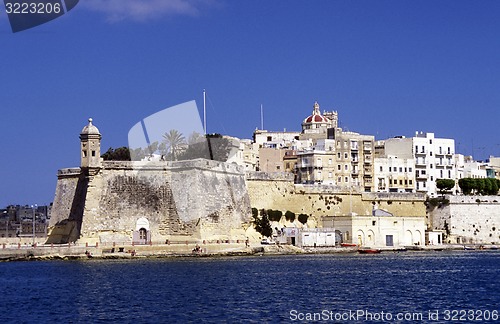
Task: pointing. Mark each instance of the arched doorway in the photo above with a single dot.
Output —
(338, 237)
(408, 238)
(142, 234)
(370, 238)
(417, 239)
(361, 238)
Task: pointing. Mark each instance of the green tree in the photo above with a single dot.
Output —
(173, 140)
(445, 185)
(262, 224)
(466, 185)
(479, 186)
(119, 154)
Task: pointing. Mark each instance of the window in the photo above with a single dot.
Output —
(416, 148)
(430, 141)
(410, 182)
(339, 167)
(431, 153)
(345, 155)
(346, 179)
(329, 161)
(278, 167)
(389, 240)
(93, 153)
(390, 181)
(381, 169)
(410, 169)
(338, 155)
(432, 178)
(389, 169)
(449, 174)
(84, 153)
(346, 167)
(329, 175)
(441, 173)
(400, 169)
(374, 222)
(269, 138)
(423, 149)
(339, 180)
(400, 182)
(406, 170)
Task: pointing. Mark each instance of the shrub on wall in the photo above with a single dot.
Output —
(274, 215)
(289, 216)
(303, 218)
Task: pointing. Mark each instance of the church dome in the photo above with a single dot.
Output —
(90, 129)
(316, 116)
(316, 119)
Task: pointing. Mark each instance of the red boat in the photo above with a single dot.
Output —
(369, 251)
(348, 244)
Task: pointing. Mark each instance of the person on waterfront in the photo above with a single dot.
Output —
(247, 242)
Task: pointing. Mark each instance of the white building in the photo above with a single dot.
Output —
(393, 174)
(434, 158)
(379, 231)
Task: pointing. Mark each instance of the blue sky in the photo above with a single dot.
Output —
(389, 67)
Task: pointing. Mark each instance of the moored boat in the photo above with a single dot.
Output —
(369, 251)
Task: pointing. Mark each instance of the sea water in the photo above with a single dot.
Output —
(388, 287)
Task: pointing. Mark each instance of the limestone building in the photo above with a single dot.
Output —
(434, 158)
(147, 201)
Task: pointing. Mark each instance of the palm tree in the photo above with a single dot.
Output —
(173, 140)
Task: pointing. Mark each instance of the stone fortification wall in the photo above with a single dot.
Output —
(469, 219)
(68, 205)
(198, 199)
(319, 201)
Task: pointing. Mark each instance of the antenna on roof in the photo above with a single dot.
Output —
(261, 117)
(204, 112)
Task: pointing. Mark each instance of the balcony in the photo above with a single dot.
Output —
(420, 163)
(421, 176)
(421, 152)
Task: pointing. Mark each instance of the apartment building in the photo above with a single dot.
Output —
(434, 158)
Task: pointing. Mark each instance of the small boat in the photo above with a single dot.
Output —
(348, 244)
(469, 248)
(369, 251)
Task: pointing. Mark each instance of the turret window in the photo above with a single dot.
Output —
(93, 153)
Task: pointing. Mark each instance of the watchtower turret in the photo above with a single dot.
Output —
(90, 147)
